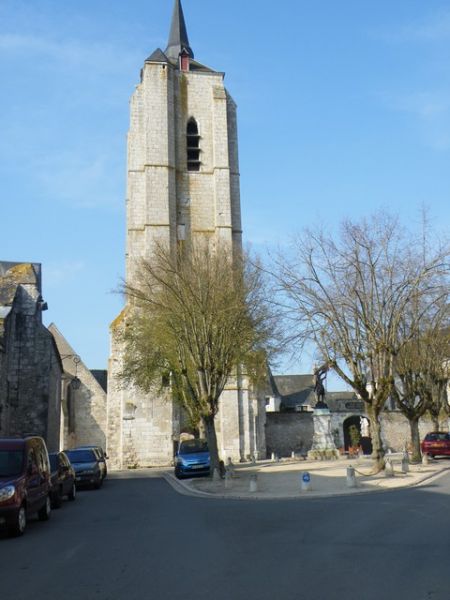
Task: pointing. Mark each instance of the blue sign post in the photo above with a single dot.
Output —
(305, 481)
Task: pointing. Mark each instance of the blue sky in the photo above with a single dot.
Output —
(344, 107)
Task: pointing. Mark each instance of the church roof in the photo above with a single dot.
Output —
(178, 37)
(157, 56)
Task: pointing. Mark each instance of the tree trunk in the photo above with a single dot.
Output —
(415, 440)
(435, 421)
(375, 434)
(211, 437)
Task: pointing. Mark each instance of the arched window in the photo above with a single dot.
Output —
(193, 146)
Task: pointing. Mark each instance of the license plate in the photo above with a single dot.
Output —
(197, 467)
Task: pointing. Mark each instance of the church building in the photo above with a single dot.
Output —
(183, 185)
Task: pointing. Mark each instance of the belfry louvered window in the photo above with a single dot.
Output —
(193, 146)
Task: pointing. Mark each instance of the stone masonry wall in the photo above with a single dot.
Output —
(288, 432)
(31, 368)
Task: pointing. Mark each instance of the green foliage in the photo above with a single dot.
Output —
(197, 317)
(355, 436)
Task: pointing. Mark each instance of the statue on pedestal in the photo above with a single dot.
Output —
(320, 375)
(323, 446)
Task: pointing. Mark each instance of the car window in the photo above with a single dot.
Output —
(42, 459)
(11, 462)
(193, 446)
(437, 437)
(81, 456)
(31, 461)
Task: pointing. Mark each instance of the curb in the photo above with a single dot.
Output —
(187, 490)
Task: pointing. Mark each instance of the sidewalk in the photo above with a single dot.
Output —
(277, 480)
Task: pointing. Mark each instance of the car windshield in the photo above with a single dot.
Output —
(81, 456)
(11, 462)
(193, 446)
(437, 437)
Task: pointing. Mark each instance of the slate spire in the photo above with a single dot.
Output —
(178, 38)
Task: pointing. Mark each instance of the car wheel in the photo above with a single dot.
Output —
(46, 510)
(98, 484)
(178, 473)
(17, 528)
(73, 492)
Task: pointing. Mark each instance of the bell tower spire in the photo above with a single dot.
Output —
(178, 37)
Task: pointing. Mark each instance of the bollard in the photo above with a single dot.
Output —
(228, 480)
(273, 456)
(254, 483)
(230, 468)
(305, 482)
(293, 455)
(405, 463)
(425, 460)
(351, 477)
(389, 469)
(216, 475)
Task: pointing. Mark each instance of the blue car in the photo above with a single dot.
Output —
(192, 459)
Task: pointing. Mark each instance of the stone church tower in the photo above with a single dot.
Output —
(183, 182)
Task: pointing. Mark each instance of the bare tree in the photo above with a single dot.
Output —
(421, 378)
(196, 317)
(437, 379)
(347, 296)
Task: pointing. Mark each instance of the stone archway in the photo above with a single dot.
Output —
(348, 423)
(363, 427)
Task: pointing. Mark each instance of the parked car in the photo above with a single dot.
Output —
(86, 463)
(62, 479)
(102, 457)
(192, 459)
(24, 482)
(436, 443)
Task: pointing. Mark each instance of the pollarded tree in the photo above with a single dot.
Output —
(347, 296)
(197, 317)
(421, 379)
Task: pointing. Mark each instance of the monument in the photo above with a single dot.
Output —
(323, 446)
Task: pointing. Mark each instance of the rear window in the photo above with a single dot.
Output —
(437, 437)
(81, 456)
(193, 446)
(11, 463)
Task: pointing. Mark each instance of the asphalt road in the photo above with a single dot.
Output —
(138, 539)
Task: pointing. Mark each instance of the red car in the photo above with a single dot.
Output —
(24, 482)
(436, 443)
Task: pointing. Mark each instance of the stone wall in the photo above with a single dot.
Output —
(289, 432)
(395, 429)
(30, 394)
(83, 408)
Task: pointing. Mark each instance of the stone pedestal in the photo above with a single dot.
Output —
(323, 446)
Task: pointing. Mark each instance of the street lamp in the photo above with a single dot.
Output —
(75, 384)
